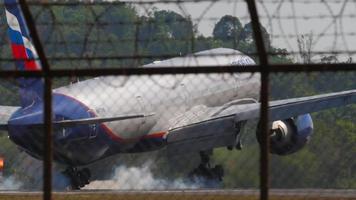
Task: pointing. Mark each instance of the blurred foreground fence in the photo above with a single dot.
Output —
(301, 48)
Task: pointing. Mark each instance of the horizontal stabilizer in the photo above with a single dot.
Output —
(5, 114)
(85, 121)
(96, 120)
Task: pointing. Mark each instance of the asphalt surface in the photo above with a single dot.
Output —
(349, 193)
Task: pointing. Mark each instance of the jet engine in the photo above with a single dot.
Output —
(290, 135)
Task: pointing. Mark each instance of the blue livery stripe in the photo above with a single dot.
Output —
(29, 54)
(13, 7)
(15, 37)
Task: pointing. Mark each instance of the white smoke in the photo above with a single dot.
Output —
(9, 183)
(139, 178)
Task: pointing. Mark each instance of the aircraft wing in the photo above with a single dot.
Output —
(218, 127)
(95, 120)
(6, 111)
(5, 114)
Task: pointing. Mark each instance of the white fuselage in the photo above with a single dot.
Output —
(166, 101)
(165, 96)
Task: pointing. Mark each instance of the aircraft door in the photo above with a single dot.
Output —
(236, 82)
(145, 107)
(184, 93)
(93, 128)
(142, 110)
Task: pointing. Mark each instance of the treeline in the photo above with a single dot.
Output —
(120, 32)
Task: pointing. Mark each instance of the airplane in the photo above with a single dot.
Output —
(105, 116)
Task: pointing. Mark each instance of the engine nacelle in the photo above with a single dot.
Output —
(290, 135)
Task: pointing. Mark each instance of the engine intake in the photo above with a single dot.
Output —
(290, 135)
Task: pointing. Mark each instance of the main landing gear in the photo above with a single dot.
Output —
(212, 176)
(78, 178)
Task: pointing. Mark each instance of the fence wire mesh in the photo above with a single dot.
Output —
(165, 96)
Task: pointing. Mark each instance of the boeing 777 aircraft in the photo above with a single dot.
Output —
(104, 116)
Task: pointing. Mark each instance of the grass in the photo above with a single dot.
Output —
(156, 196)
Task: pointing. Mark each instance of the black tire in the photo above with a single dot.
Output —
(218, 171)
(75, 182)
(86, 175)
(83, 179)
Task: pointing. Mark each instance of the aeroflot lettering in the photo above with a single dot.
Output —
(243, 61)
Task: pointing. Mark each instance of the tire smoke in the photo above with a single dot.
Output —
(140, 178)
(10, 183)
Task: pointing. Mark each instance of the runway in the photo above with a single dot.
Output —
(248, 194)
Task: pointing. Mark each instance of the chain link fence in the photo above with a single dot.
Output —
(173, 99)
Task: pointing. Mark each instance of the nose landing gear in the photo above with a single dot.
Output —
(78, 178)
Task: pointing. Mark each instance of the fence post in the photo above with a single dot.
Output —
(264, 68)
(47, 146)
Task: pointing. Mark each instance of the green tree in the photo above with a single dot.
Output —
(166, 32)
(247, 36)
(228, 28)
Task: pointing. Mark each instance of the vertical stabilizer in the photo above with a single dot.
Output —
(24, 53)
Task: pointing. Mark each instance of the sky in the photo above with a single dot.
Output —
(332, 22)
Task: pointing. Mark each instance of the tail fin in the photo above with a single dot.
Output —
(24, 53)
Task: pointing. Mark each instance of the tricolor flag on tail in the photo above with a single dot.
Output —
(23, 52)
(22, 48)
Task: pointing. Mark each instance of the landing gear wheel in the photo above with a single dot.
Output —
(211, 176)
(218, 172)
(84, 176)
(78, 178)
